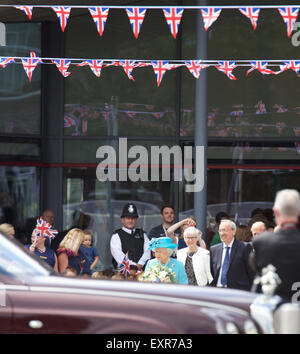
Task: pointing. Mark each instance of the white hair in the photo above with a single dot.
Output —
(287, 202)
(231, 223)
(191, 231)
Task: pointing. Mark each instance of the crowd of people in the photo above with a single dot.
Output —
(229, 257)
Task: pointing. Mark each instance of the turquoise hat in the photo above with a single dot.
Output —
(161, 242)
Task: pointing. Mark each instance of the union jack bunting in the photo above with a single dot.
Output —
(136, 18)
(237, 113)
(261, 108)
(6, 61)
(252, 13)
(195, 67)
(68, 121)
(124, 267)
(63, 13)
(289, 15)
(261, 66)
(63, 66)
(209, 16)
(227, 67)
(99, 15)
(29, 64)
(173, 17)
(291, 64)
(26, 9)
(44, 229)
(159, 67)
(128, 66)
(95, 66)
(279, 108)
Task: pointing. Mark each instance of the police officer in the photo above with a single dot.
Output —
(130, 239)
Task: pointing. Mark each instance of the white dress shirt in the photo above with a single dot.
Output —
(223, 256)
(118, 254)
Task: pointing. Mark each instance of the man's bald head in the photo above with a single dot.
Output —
(257, 228)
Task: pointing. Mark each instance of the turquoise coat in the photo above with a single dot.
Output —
(176, 266)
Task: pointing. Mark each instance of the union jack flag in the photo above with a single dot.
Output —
(29, 64)
(160, 67)
(99, 15)
(261, 108)
(291, 64)
(6, 61)
(107, 111)
(237, 113)
(44, 229)
(173, 17)
(124, 267)
(136, 18)
(280, 109)
(227, 67)
(261, 66)
(195, 67)
(68, 121)
(209, 16)
(128, 66)
(252, 13)
(62, 65)
(289, 15)
(95, 65)
(63, 13)
(26, 9)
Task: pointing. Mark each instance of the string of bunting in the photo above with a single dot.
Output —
(172, 14)
(160, 67)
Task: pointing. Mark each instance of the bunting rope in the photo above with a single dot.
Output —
(160, 67)
(173, 14)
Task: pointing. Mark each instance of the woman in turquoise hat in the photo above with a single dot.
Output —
(163, 248)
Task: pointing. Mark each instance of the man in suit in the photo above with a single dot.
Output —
(229, 260)
(282, 248)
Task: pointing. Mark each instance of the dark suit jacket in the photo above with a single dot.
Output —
(282, 250)
(239, 274)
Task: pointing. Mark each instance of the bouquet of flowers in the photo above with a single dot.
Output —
(158, 273)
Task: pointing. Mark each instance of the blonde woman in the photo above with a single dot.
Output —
(8, 229)
(69, 254)
(195, 259)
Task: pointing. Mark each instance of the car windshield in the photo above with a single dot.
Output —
(16, 262)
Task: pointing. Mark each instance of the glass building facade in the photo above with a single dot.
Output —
(52, 127)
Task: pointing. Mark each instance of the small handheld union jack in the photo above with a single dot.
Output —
(136, 18)
(173, 17)
(124, 267)
(44, 229)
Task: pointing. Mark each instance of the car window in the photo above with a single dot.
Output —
(15, 262)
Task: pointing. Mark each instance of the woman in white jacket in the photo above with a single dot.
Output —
(195, 259)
